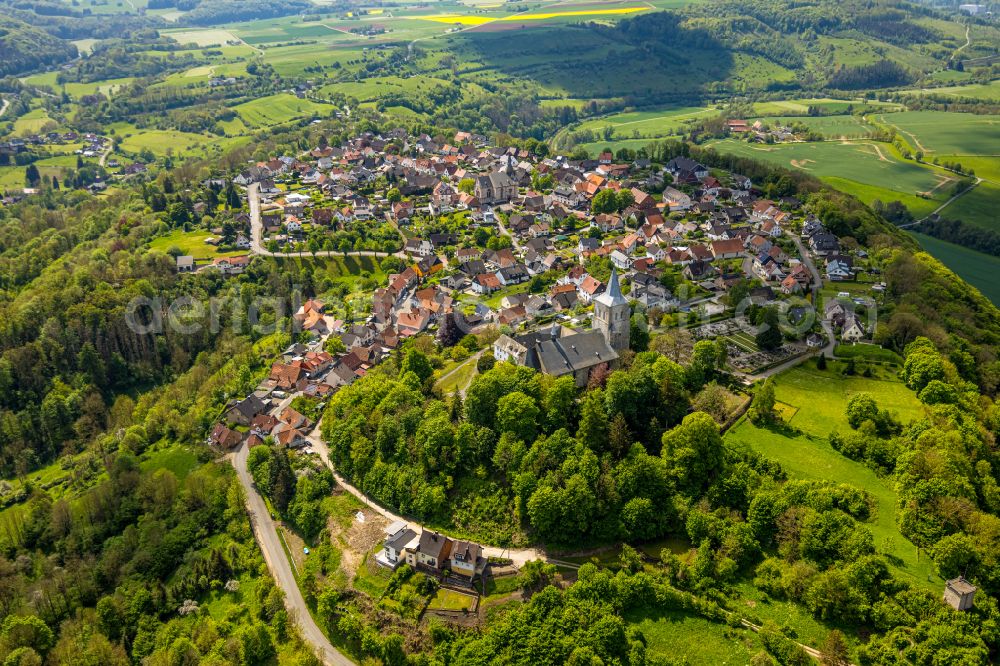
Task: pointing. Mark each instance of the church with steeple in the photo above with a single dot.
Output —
(558, 351)
(613, 315)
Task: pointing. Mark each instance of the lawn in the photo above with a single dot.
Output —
(977, 268)
(820, 399)
(690, 639)
(866, 352)
(451, 600)
(460, 377)
(191, 243)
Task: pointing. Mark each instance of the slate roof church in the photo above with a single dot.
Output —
(579, 354)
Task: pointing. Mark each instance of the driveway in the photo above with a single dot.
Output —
(270, 545)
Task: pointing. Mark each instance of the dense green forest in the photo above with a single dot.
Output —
(24, 47)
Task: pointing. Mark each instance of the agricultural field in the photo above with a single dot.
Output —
(202, 38)
(278, 109)
(800, 107)
(978, 206)
(646, 124)
(865, 169)
(834, 127)
(943, 133)
(813, 402)
(977, 268)
(989, 92)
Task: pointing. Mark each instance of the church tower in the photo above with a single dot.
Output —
(612, 315)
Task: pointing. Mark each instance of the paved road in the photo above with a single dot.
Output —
(277, 562)
(517, 555)
(831, 339)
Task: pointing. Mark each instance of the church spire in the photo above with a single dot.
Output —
(612, 296)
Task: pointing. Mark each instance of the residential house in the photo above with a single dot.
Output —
(432, 551)
(467, 559)
(243, 412)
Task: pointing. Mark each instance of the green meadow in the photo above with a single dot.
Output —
(813, 402)
(984, 91)
(689, 639)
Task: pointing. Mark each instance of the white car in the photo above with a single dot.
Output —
(279, 394)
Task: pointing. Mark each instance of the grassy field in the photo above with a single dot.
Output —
(818, 399)
(191, 243)
(977, 268)
(33, 122)
(800, 107)
(689, 639)
(180, 460)
(866, 352)
(647, 124)
(461, 375)
(866, 169)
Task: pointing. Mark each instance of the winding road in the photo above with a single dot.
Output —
(270, 545)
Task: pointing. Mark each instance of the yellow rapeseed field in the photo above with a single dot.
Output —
(538, 16)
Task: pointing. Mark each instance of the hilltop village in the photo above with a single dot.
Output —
(558, 265)
(530, 246)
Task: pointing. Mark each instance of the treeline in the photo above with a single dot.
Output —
(65, 21)
(879, 74)
(230, 11)
(963, 233)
